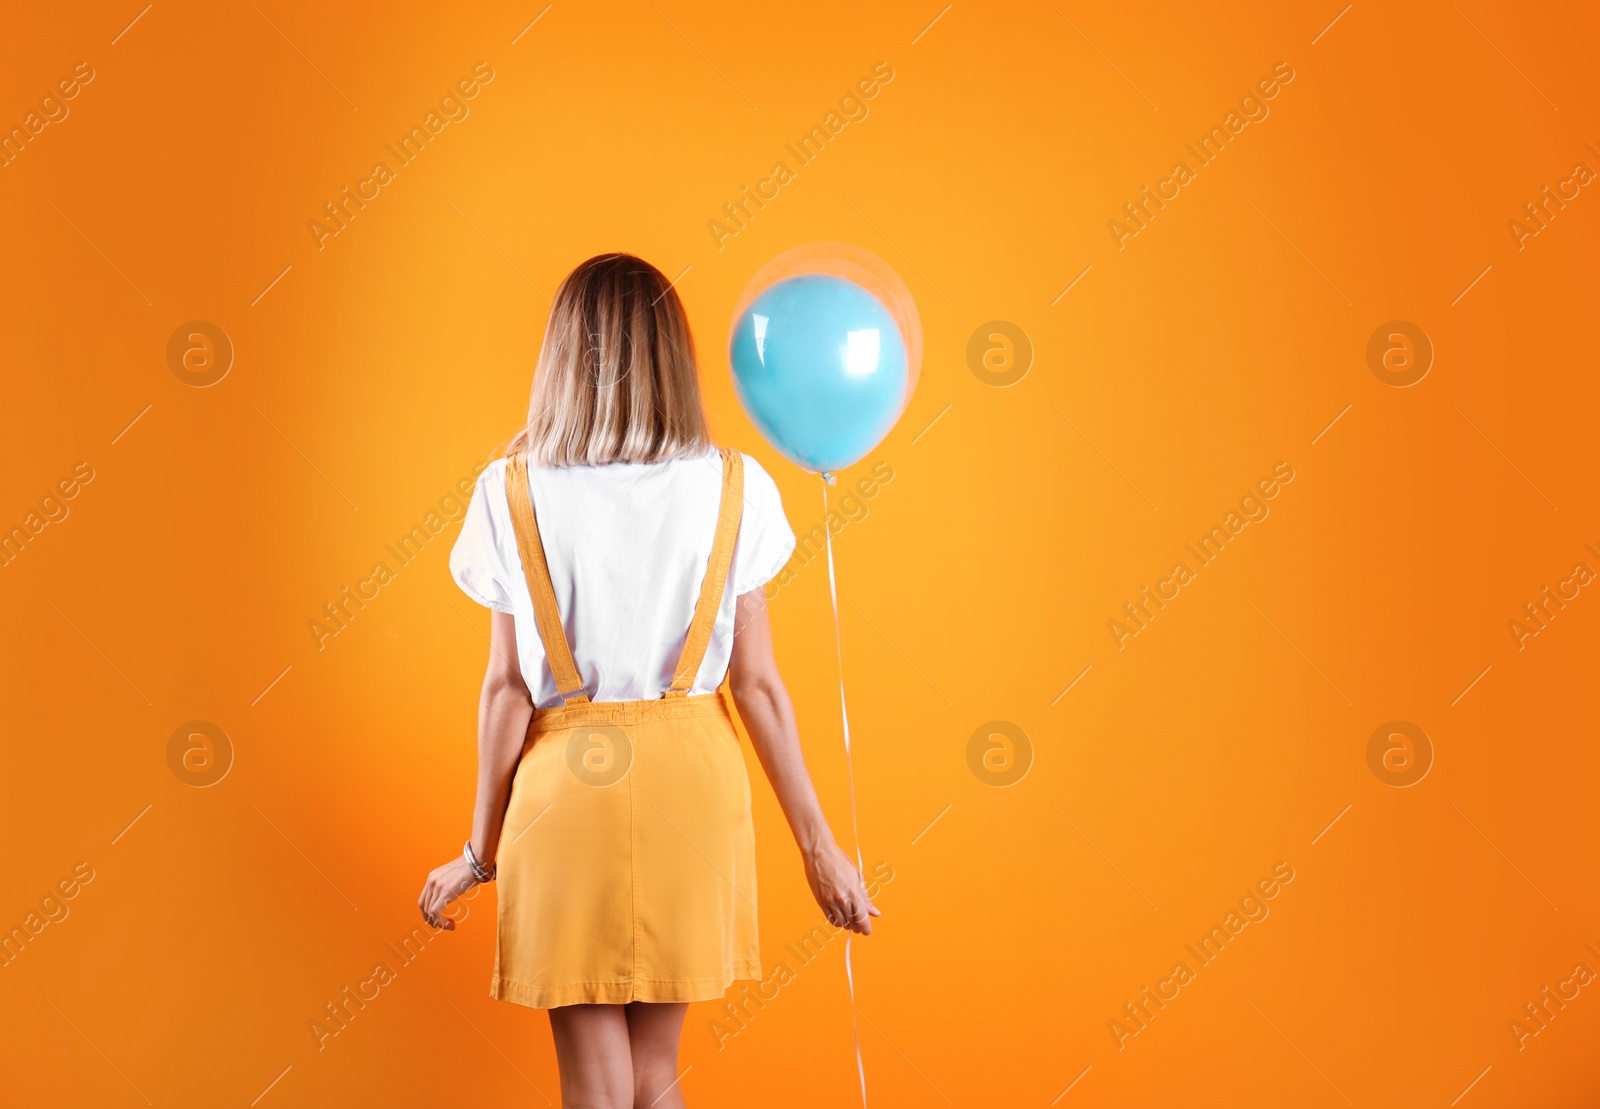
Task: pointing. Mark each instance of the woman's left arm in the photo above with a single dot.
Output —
(504, 712)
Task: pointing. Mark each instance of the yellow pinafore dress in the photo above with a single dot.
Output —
(627, 861)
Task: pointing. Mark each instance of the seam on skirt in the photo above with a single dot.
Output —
(633, 860)
(622, 991)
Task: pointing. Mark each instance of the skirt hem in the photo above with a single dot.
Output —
(621, 992)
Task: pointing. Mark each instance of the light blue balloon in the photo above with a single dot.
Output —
(820, 366)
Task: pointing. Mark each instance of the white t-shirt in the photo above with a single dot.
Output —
(627, 546)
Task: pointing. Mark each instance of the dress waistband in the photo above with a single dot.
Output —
(623, 713)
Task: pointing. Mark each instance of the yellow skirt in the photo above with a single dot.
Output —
(627, 863)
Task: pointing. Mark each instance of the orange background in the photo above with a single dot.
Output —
(1176, 772)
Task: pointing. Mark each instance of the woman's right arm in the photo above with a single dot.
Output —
(768, 715)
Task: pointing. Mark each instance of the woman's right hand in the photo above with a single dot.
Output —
(768, 716)
(839, 890)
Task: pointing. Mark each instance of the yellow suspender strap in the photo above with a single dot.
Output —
(537, 571)
(716, 579)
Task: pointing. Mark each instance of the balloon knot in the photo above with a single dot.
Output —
(830, 478)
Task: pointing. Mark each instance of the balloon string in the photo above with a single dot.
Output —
(850, 773)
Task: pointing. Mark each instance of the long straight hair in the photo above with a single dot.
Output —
(616, 379)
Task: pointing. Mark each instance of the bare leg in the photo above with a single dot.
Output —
(592, 1051)
(653, 1034)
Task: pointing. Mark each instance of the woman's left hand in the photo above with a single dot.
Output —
(444, 885)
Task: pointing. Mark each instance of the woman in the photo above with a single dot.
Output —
(624, 559)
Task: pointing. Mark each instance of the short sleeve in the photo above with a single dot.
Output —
(765, 539)
(478, 561)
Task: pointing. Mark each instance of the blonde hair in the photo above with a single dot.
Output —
(616, 379)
